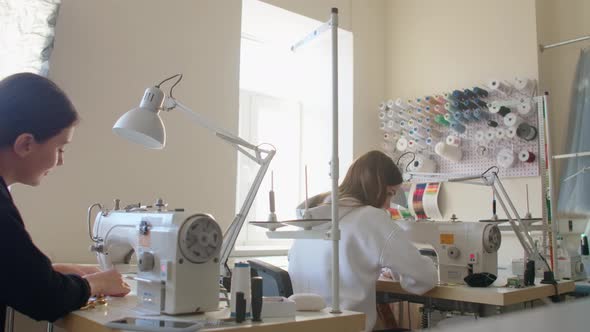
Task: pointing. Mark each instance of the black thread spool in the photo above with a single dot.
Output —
(492, 124)
(459, 95)
(526, 132)
(480, 92)
(480, 103)
(256, 298)
(240, 307)
(504, 111)
(470, 94)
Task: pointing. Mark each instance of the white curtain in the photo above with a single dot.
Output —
(26, 35)
(574, 195)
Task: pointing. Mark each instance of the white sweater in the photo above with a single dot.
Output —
(370, 241)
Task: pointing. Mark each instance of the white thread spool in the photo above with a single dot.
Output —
(390, 104)
(382, 106)
(401, 104)
(449, 152)
(500, 133)
(524, 85)
(240, 282)
(524, 108)
(500, 87)
(526, 156)
(511, 132)
(505, 158)
(390, 114)
(391, 124)
(453, 140)
(402, 144)
(382, 125)
(480, 136)
(512, 120)
(382, 115)
(494, 108)
(491, 135)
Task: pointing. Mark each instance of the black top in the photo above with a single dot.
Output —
(28, 282)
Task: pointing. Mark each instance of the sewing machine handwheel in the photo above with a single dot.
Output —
(492, 238)
(200, 238)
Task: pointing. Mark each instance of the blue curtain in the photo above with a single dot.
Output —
(26, 35)
(574, 195)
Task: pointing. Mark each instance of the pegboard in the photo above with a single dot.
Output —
(415, 125)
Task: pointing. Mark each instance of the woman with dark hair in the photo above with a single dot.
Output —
(37, 120)
(369, 241)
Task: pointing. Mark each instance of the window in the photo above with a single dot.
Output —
(285, 100)
(26, 35)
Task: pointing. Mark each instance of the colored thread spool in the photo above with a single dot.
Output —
(440, 119)
(459, 95)
(433, 132)
(461, 106)
(480, 92)
(453, 140)
(468, 104)
(481, 115)
(469, 93)
(503, 111)
(480, 103)
(440, 99)
(505, 158)
(449, 97)
(387, 136)
(458, 116)
(526, 132)
(468, 115)
(449, 118)
(449, 107)
(492, 124)
(499, 87)
(403, 123)
(401, 144)
(429, 141)
(458, 127)
(526, 156)
(439, 109)
(512, 120)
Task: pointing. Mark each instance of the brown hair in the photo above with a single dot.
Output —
(368, 177)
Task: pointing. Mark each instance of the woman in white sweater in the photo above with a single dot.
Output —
(370, 241)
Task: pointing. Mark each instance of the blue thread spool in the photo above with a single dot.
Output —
(480, 103)
(468, 115)
(458, 127)
(470, 105)
(458, 116)
(449, 107)
(459, 95)
(481, 114)
(470, 94)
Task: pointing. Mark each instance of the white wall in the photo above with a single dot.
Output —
(106, 53)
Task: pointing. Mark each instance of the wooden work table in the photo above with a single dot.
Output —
(499, 296)
(93, 320)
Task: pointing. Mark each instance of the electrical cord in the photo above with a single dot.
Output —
(174, 85)
(404, 154)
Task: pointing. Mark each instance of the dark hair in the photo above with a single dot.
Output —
(368, 177)
(33, 104)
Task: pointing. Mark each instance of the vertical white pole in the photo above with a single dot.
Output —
(335, 233)
(552, 198)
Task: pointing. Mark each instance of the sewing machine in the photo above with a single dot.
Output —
(177, 256)
(461, 247)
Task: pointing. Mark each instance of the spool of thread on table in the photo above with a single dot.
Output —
(492, 124)
(526, 156)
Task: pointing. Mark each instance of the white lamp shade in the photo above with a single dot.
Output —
(142, 126)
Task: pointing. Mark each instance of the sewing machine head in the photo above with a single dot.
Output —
(177, 256)
(461, 248)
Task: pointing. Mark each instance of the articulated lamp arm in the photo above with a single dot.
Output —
(260, 156)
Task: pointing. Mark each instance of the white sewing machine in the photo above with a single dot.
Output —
(177, 256)
(461, 247)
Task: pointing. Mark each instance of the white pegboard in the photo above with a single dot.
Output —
(472, 162)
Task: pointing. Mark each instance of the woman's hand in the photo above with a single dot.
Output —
(108, 282)
(80, 270)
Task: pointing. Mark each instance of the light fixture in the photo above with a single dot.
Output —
(143, 125)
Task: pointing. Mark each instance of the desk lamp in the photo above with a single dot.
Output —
(143, 125)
